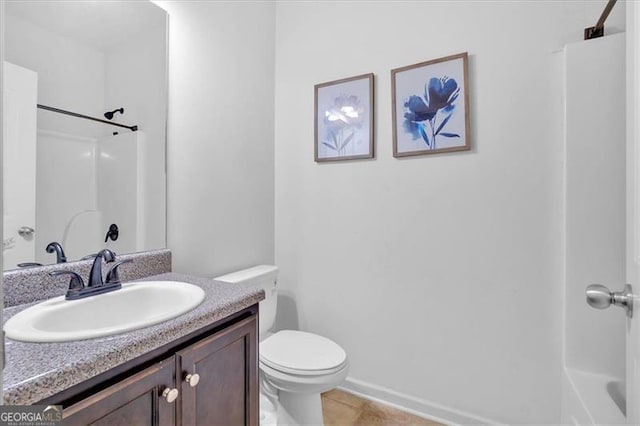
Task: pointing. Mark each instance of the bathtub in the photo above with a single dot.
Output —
(592, 399)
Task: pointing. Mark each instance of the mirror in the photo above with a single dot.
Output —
(85, 105)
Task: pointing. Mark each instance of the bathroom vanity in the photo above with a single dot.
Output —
(210, 379)
(198, 368)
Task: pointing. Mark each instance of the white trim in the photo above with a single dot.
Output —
(410, 404)
(633, 209)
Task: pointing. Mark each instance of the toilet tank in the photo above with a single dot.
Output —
(264, 277)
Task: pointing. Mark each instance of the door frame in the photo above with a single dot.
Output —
(633, 211)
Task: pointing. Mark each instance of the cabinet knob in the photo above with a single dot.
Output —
(192, 379)
(170, 394)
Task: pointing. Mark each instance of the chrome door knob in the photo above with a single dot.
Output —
(170, 394)
(600, 297)
(26, 231)
(192, 379)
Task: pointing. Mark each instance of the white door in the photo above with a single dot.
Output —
(633, 212)
(19, 159)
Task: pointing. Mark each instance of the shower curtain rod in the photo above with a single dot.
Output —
(86, 117)
(598, 29)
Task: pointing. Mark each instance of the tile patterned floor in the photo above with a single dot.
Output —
(344, 409)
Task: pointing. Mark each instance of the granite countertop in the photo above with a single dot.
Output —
(35, 371)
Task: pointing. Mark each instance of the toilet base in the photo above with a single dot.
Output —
(268, 410)
(299, 409)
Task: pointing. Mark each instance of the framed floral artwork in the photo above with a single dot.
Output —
(430, 103)
(344, 119)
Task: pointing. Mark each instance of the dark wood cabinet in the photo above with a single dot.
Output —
(134, 401)
(226, 392)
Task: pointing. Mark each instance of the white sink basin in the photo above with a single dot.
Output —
(136, 305)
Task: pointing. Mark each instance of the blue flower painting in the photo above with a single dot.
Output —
(430, 107)
(426, 116)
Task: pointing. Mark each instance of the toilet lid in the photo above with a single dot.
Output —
(301, 351)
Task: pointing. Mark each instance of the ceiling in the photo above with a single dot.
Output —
(99, 24)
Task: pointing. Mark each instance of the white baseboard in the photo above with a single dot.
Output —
(419, 407)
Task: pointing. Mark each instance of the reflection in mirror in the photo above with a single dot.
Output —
(84, 138)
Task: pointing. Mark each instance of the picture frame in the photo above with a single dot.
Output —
(344, 119)
(430, 107)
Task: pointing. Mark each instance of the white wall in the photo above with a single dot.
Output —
(441, 276)
(70, 74)
(220, 135)
(135, 79)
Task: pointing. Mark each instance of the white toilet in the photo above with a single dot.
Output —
(295, 366)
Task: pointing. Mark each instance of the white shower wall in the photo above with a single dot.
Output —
(121, 189)
(65, 190)
(108, 176)
(594, 340)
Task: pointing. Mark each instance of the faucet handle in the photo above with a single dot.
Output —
(29, 264)
(112, 276)
(76, 283)
(112, 233)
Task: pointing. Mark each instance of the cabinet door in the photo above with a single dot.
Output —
(227, 392)
(136, 400)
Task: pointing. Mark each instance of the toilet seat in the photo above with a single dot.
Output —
(302, 353)
(294, 372)
(303, 383)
